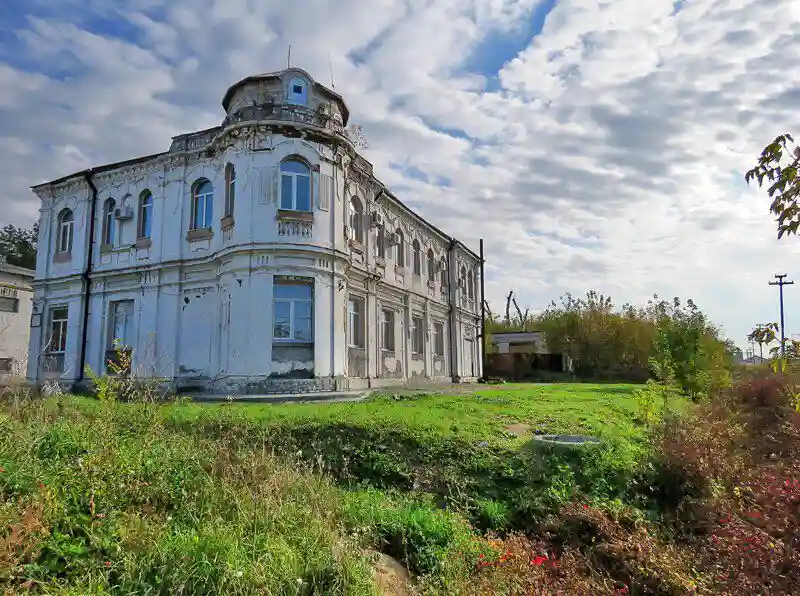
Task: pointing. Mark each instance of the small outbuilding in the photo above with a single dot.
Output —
(522, 354)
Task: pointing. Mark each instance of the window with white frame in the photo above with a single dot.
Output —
(355, 322)
(438, 339)
(416, 257)
(417, 335)
(120, 325)
(202, 204)
(380, 243)
(387, 330)
(431, 265)
(357, 220)
(295, 186)
(109, 227)
(145, 214)
(57, 343)
(66, 228)
(294, 312)
(230, 189)
(401, 249)
(9, 304)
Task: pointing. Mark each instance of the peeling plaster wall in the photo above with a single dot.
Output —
(204, 306)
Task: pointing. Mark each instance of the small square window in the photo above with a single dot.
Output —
(297, 89)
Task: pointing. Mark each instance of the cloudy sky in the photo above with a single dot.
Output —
(592, 144)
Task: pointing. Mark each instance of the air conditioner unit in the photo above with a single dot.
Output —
(376, 218)
(123, 213)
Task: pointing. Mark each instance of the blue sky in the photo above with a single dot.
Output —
(592, 144)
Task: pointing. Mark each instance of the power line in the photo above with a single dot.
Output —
(780, 283)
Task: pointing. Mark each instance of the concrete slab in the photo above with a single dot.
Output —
(319, 397)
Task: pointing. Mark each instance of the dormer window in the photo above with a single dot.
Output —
(297, 92)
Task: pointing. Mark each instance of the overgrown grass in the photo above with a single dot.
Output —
(115, 501)
(474, 453)
(295, 498)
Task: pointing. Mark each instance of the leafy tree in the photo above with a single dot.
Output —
(688, 346)
(783, 179)
(763, 334)
(18, 245)
(603, 343)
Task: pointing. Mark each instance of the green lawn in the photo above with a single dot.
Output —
(260, 498)
(482, 414)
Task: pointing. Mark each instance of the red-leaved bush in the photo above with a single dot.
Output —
(728, 485)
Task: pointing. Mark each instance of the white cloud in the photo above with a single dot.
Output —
(610, 156)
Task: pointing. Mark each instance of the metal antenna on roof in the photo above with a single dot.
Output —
(330, 68)
(289, 57)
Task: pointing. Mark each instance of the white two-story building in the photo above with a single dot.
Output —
(261, 255)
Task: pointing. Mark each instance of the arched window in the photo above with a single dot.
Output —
(295, 186)
(108, 222)
(462, 281)
(66, 227)
(145, 214)
(416, 257)
(401, 249)
(380, 244)
(230, 189)
(443, 274)
(471, 286)
(297, 92)
(202, 204)
(431, 266)
(357, 219)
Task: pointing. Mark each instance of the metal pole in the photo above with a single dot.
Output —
(780, 283)
(483, 316)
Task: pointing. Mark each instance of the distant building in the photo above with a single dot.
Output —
(519, 354)
(16, 294)
(755, 360)
(260, 255)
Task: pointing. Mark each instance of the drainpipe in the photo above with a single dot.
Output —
(451, 316)
(483, 319)
(85, 276)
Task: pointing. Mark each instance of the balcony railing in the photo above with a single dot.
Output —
(284, 113)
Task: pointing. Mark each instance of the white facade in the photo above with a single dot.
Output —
(258, 256)
(16, 295)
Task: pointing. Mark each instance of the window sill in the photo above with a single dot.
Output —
(227, 223)
(291, 215)
(292, 342)
(106, 248)
(357, 246)
(387, 352)
(199, 234)
(399, 269)
(143, 243)
(62, 257)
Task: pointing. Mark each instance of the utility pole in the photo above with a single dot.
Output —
(780, 283)
(483, 316)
